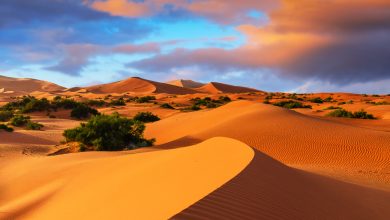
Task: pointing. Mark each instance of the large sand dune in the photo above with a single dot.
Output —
(216, 88)
(267, 189)
(18, 86)
(153, 185)
(350, 153)
(138, 85)
(186, 83)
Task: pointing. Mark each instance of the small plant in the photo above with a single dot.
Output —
(332, 108)
(83, 111)
(19, 120)
(317, 100)
(347, 114)
(167, 106)
(6, 115)
(145, 99)
(118, 102)
(225, 99)
(33, 126)
(146, 117)
(291, 104)
(6, 128)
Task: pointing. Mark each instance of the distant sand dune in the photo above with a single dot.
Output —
(21, 85)
(215, 88)
(186, 83)
(138, 85)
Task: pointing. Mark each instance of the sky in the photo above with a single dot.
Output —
(272, 45)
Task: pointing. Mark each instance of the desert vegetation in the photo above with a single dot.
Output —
(347, 114)
(109, 133)
(290, 104)
(146, 117)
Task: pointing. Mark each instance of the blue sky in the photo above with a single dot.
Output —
(76, 43)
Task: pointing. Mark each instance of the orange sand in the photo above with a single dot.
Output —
(153, 185)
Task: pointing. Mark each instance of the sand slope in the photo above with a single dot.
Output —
(138, 85)
(347, 152)
(186, 83)
(117, 185)
(267, 189)
(215, 88)
(24, 85)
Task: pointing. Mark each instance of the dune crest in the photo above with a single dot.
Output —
(185, 83)
(117, 185)
(138, 85)
(216, 88)
(351, 153)
(25, 85)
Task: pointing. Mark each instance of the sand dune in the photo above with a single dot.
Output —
(152, 185)
(345, 152)
(267, 189)
(138, 85)
(16, 86)
(186, 83)
(215, 88)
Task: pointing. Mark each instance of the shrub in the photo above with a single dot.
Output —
(33, 126)
(20, 120)
(6, 128)
(83, 111)
(291, 104)
(6, 115)
(347, 114)
(317, 100)
(146, 117)
(332, 108)
(109, 132)
(167, 106)
(328, 99)
(96, 103)
(341, 103)
(145, 99)
(224, 99)
(195, 108)
(36, 105)
(118, 102)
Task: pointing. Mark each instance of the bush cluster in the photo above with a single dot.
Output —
(25, 121)
(290, 104)
(118, 102)
(6, 115)
(209, 102)
(146, 117)
(82, 111)
(167, 106)
(347, 114)
(109, 133)
(6, 128)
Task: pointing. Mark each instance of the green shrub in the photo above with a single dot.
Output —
(347, 114)
(167, 106)
(332, 108)
(145, 99)
(19, 120)
(95, 102)
(317, 100)
(6, 128)
(290, 104)
(118, 102)
(109, 132)
(341, 103)
(83, 111)
(33, 126)
(146, 117)
(224, 99)
(36, 105)
(6, 115)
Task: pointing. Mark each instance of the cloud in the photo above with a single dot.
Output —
(338, 41)
(217, 10)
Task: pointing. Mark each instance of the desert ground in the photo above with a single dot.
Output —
(221, 152)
